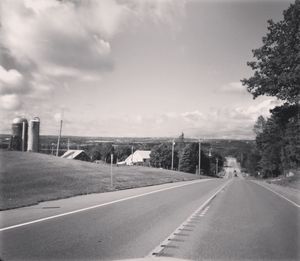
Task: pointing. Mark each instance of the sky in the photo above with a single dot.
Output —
(133, 68)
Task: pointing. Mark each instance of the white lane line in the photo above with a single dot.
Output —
(177, 231)
(99, 205)
(278, 194)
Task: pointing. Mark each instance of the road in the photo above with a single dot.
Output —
(243, 221)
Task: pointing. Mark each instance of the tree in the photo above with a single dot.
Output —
(122, 152)
(277, 64)
(189, 160)
(161, 156)
(259, 125)
(279, 143)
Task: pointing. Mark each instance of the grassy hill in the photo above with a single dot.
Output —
(29, 178)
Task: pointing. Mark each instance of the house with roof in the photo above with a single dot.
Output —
(76, 154)
(139, 157)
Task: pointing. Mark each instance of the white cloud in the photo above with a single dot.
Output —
(10, 81)
(234, 87)
(10, 102)
(53, 41)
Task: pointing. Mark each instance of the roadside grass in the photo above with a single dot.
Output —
(30, 178)
(291, 181)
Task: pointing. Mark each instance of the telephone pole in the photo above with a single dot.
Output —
(59, 136)
(199, 163)
(172, 164)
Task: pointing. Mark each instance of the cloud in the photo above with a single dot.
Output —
(234, 88)
(232, 122)
(11, 81)
(10, 102)
(50, 42)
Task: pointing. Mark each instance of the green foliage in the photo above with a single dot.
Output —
(259, 125)
(277, 64)
(122, 152)
(251, 161)
(189, 160)
(101, 152)
(161, 156)
(279, 143)
(277, 73)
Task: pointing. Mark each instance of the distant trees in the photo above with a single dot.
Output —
(277, 73)
(103, 152)
(189, 160)
(186, 158)
(161, 156)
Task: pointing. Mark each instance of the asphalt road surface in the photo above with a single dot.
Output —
(243, 221)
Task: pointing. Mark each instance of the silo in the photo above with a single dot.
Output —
(19, 134)
(34, 135)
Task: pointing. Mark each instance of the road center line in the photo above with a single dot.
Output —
(99, 205)
(278, 194)
(166, 241)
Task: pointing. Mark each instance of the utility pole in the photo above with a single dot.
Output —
(132, 155)
(217, 161)
(111, 170)
(59, 136)
(199, 163)
(68, 143)
(172, 164)
(23, 136)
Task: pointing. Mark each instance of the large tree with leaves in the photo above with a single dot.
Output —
(161, 156)
(277, 63)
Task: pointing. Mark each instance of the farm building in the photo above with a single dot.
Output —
(139, 157)
(76, 154)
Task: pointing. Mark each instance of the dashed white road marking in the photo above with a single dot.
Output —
(176, 232)
(99, 205)
(278, 194)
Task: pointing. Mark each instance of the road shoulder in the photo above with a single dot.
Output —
(290, 194)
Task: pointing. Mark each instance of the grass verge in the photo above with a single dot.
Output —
(29, 178)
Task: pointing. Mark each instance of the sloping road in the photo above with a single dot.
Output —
(246, 221)
(112, 230)
(243, 221)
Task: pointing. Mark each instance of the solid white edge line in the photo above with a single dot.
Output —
(100, 205)
(160, 247)
(278, 194)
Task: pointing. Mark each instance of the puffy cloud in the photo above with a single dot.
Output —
(47, 42)
(10, 81)
(233, 122)
(10, 102)
(234, 87)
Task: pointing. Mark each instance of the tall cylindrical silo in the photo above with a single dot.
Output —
(34, 135)
(19, 134)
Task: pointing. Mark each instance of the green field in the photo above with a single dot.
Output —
(30, 178)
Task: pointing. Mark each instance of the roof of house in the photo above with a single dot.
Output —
(72, 154)
(138, 156)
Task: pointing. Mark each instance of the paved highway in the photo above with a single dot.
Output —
(124, 229)
(243, 221)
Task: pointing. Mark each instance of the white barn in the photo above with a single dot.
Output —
(139, 157)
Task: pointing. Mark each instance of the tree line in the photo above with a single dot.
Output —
(277, 73)
(185, 158)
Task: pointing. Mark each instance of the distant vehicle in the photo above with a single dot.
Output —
(235, 174)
